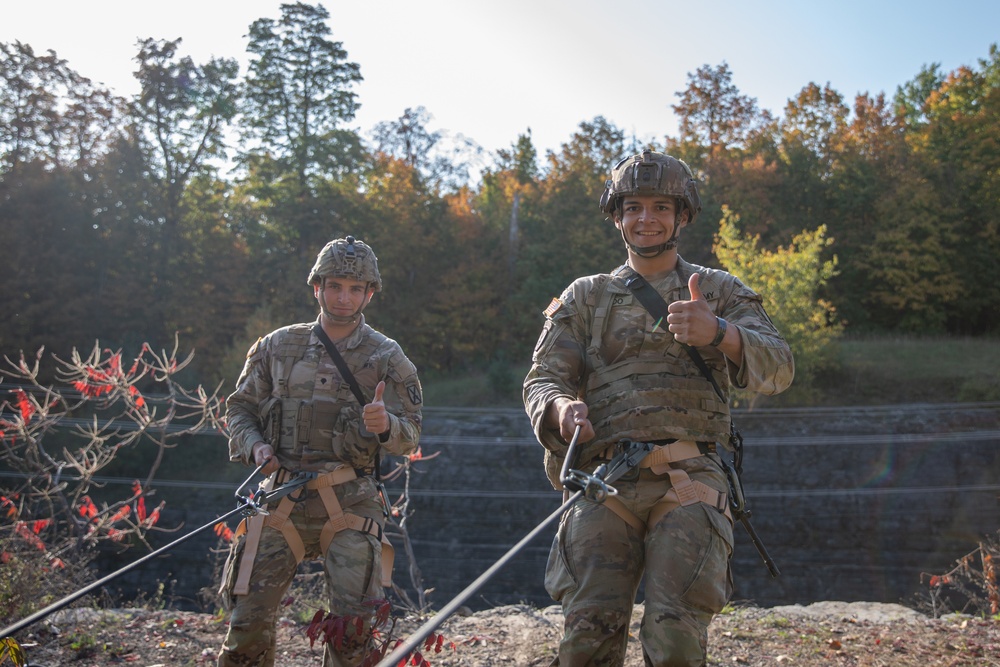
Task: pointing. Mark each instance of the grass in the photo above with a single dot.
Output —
(916, 369)
(870, 371)
(496, 387)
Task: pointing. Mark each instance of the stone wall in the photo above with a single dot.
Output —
(852, 504)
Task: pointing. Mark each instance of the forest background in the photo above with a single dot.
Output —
(196, 208)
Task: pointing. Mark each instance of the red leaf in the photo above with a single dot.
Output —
(154, 516)
(115, 363)
(22, 529)
(224, 532)
(87, 508)
(140, 509)
(24, 404)
(338, 629)
(315, 627)
(39, 525)
(11, 507)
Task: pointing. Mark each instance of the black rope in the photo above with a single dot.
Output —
(421, 634)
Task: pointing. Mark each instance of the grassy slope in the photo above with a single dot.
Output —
(871, 371)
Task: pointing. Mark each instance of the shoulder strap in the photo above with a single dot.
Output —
(345, 372)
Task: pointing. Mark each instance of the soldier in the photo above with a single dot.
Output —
(295, 411)
(605, 365)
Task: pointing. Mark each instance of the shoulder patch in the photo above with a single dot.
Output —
(553, 307)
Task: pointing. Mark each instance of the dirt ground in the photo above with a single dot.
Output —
(825, 633)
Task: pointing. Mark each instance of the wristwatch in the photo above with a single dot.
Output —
(721, 333)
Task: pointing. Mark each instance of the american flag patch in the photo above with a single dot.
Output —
(553, 307)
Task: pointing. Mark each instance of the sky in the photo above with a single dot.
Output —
(491, 70)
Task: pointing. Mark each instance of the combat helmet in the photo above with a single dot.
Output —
(347, 258)
(652, 173)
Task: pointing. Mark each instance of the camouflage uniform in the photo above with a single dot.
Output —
(599, 345)
(292, 395)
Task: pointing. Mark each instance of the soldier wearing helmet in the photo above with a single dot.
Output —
(323, 398)
(606, 370)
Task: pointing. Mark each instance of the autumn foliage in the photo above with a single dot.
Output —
(971, 585)
(55, 440)
(373, 635)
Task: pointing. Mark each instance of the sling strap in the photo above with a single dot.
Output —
(338, 360)
(338, 520)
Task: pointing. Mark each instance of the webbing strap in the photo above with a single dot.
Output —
(684, 491)
(340, 520)
(253, 526)
(663, 455)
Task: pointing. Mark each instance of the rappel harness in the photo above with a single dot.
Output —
(250, 505)
(278, 519)
(323, 484)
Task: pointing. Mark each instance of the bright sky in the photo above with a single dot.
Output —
(491, 69)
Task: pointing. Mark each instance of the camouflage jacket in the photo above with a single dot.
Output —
(599, 345)
(291, 395)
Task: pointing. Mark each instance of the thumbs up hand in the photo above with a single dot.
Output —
(374, 415)
(692, 322)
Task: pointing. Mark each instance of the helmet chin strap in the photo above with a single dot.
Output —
(340, 319)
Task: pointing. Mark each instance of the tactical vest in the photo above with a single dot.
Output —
(648, 397)
(319, 424)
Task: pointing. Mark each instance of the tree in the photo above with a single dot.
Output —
(958, 147)
(811, 134)
(714, 115)
(51, 113)
(867, 173)
(440, 160)
(789, 279)
(298, 95)
(181, 113)
(564, 234)
(911, 97)
(729, 145)
(814, 120)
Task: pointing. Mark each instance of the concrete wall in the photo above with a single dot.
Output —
(852, 504)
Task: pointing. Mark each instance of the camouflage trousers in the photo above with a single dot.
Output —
(352, 565)
(597, 562)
